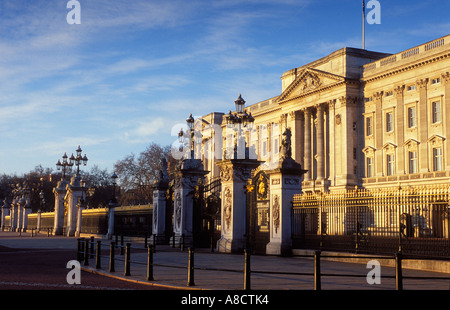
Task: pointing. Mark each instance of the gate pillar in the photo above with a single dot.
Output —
(60, 192)
(234, 174)
(189, 174)
(159, 209)
(5, 212)
(285, 181)
(73, 194)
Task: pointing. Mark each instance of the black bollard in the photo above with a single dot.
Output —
(79, 249)
(111, 257)
(150, 263)
(317, 280)
(191, 268)
(247, 270)
(127, 259)
(92, 247)
(98, 255)
(86, 252)
(398, 272)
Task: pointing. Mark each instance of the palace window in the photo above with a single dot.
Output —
(369, 167)
(437, 159)
(411, 117)
(389, 164)
(411, 87)
(436, 111)
(389, 122)
(412, 159)
(435, 81)
(368, 126)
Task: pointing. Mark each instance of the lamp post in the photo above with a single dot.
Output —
(238, 120)
(63, 165)
(112, 205)
(114, 181)
(191, 132)
(77, 161)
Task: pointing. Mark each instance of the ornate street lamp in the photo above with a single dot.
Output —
(190, 123)
(63, 165)
(79, 159)
(240, 103)
(238, 119)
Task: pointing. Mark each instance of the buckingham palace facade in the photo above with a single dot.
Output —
(358, 118)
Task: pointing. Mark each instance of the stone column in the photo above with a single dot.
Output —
(159, 210)
(71, 199)
(285, 181)
(19, 217)
(234, 175)
(423, 126)
(111, 210)
(297, 124)
(320, 143)
(307, 151)
(39, 221)
(5, 212)
(60, 192)
(81, 205)
(26, 211)
(13, 218)
(188, 176)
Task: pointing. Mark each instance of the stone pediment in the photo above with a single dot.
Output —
(309, 81)
(369, 151)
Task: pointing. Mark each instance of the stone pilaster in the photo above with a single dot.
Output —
(423, 125)
(400, 129)
(377, 97)
(446, 118)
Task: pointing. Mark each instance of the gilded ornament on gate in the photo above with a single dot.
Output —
(262, 187)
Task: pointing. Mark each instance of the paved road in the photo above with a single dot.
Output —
(45, 268)
(40, 262)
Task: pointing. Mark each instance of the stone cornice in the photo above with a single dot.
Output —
(407, 67)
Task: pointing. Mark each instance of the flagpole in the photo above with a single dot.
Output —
(364, 26)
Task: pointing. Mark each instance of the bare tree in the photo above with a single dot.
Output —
(138, 174)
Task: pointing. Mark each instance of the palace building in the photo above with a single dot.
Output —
(358, 118)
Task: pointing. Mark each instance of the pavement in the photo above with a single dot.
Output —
(219, 271)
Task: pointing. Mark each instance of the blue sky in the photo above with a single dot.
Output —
(132, 71)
